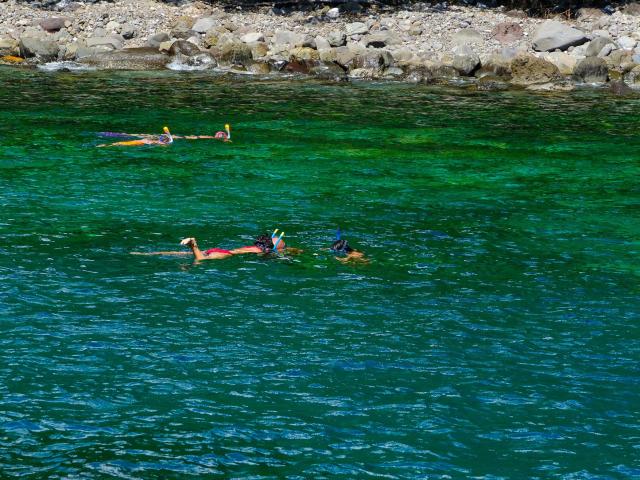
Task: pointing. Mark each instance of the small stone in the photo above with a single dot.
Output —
(333, 13)
(158, 38)
(252, 37)
(627, 43)
(53, 24)
(204, 24)
(356, 28)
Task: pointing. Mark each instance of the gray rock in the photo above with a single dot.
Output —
(204, 24)
(381, 39)
(375, 60)
(308, 42)
(128, 59)
(466, 36)
(552, 35)
(252, 37)
(595, 46)
(113, 41)
(286, 37)
(337, 39)
(465, 61)
(41, 49)
(80, 50)
(322, 43)
(529, 70)
(591, 70)
(156, 39)
(560, 86)
(128, 31)
(356, 28)
(606, 50)
(234, 53)
(183, 47)
(53, 24)
(565, 62)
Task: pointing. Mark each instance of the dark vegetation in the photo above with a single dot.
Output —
(532, 7)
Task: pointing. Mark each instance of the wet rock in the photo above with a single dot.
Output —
(496, 65)
(183, 47)
(465, 61)
(591, 70)
(618, 87)
(560, 86)
(490, 83)
(304, 54)
(53, 24)
(507, 32)
(530, 70)
(214, 35)
(258, 50)
(235, 53)
(128, 59)
(41, 49)
(553, 35)
(8, 46)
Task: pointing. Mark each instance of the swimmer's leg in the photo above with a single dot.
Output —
(160, 253)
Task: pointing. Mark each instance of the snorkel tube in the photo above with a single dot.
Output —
(227, 128)
(169, 137)
(276, 242)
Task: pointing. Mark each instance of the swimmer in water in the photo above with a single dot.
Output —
(264, 244)
(345, 254)
(224, 135)
(163, 140)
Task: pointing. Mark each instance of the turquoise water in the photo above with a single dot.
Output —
(494, 334)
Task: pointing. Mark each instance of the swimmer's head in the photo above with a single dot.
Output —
(341, 246)
(265, 243)
(165, 129)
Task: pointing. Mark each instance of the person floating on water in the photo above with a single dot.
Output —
(146, 139)
(264, 244)
(344, 253)
(163, 140)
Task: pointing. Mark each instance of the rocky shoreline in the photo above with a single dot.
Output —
(489, 48)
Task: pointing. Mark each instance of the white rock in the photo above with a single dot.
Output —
(333, 13)
(204, 24)
(252, 37)
(627, 43)
(356, 28)
(606, 50)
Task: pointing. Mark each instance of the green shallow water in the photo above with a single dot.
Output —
(495, 333)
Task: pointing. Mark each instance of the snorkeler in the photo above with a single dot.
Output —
(146, 139)
(264, 244)
(346, 254)
(163, 140)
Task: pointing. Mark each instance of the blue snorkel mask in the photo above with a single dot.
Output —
(340, 247)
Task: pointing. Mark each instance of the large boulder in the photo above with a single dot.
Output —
(183, 47)
(507, 32)
(114, 42)
(337, 39)
(627, 42)
(465, 61)
(632, 78)
(494, 65)
(591, 70)
(554, 35)
(234, 53)
(39, 48)
(156, 39)
(595, 46)
(356, 28)
(620, 88)
(53, 24)
(214, 36)
(128, 59)
(286, 37)
(381, 39)
(529, 70)
(8, 46)
(202, 25)
(565, 62)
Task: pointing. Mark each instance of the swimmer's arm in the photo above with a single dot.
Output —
(241, 250)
